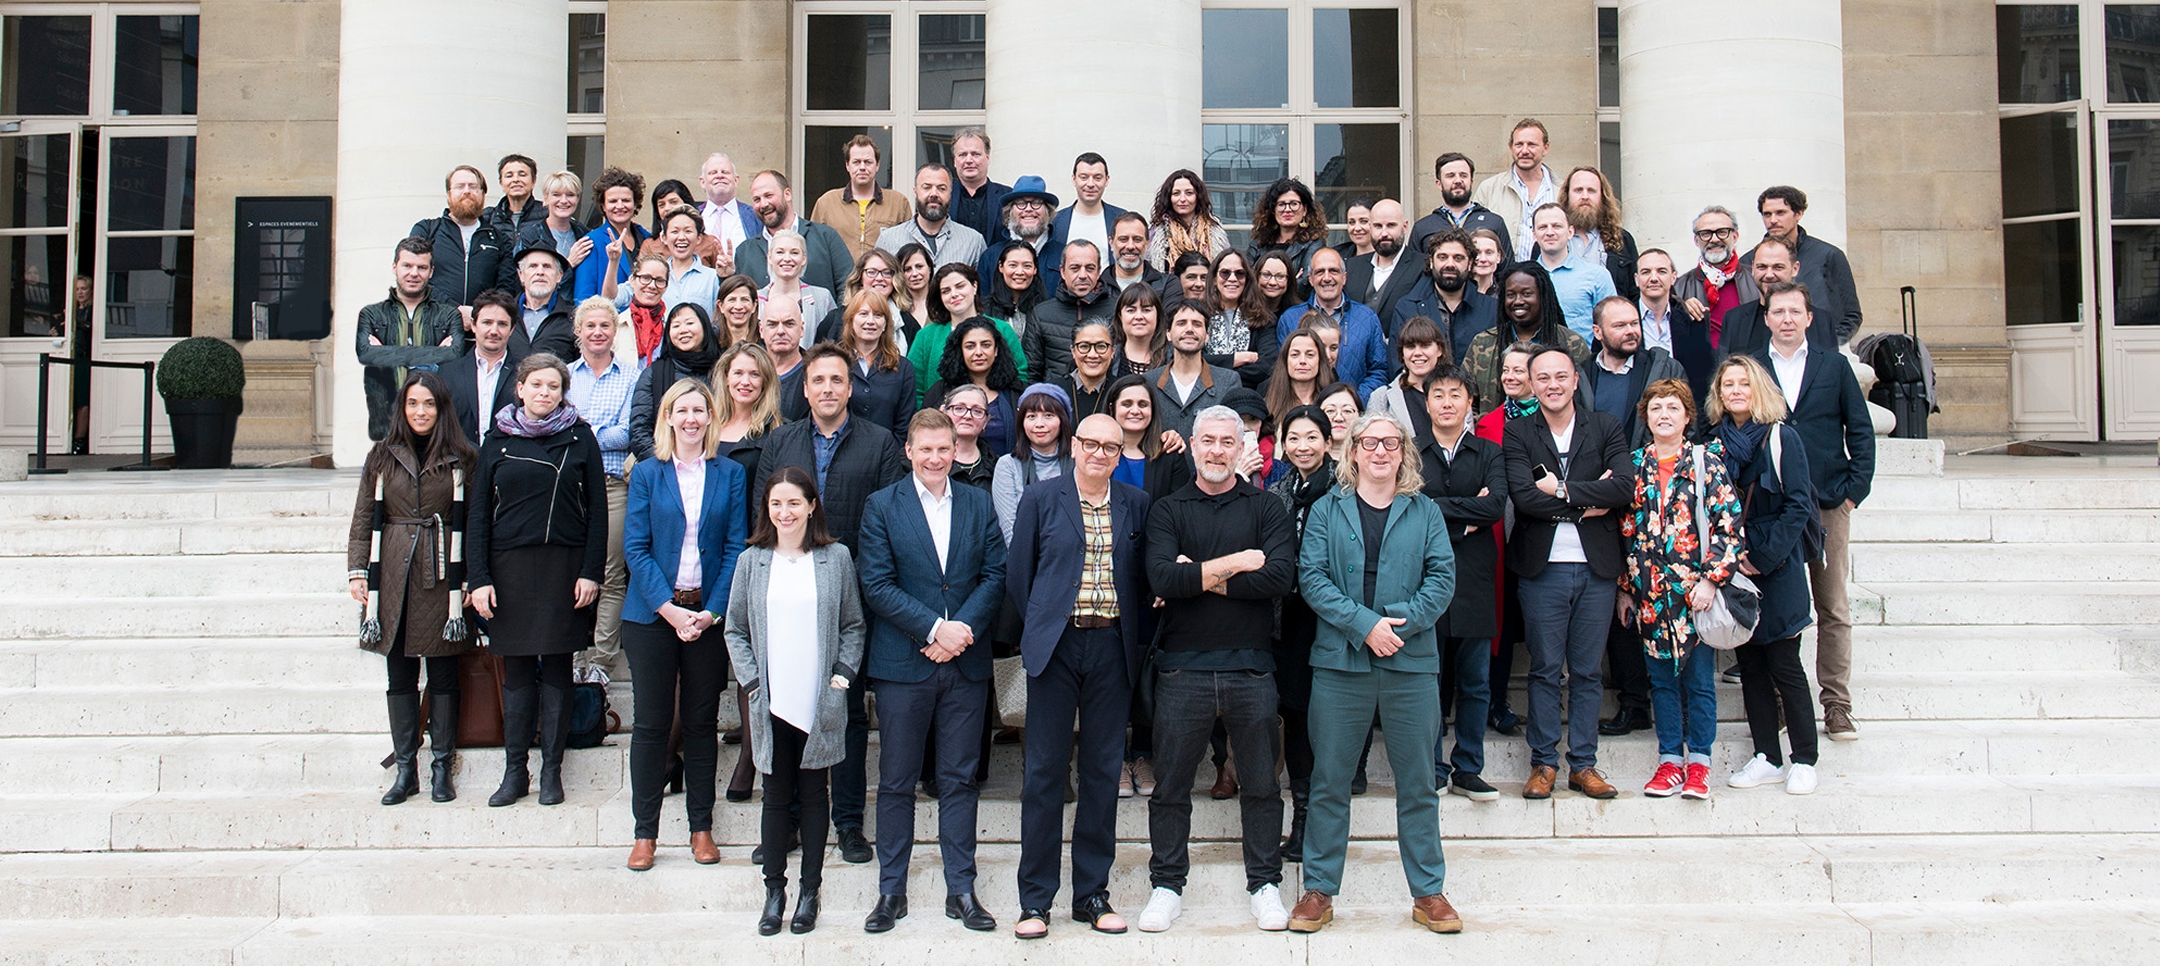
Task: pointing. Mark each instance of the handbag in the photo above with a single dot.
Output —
(1008, 676)
(1733, 613)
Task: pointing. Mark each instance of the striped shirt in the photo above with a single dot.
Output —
(1098, 582)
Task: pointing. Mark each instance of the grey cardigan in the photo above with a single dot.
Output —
(839, 644)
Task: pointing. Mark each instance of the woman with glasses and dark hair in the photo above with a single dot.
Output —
(1289, 220)
(956, 297)
(644, 320)
(1276, 277)
(1241, 328)
(1183, 220)
(1094, 348)
(976, 354)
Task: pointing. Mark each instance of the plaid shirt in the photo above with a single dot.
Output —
(603, 398)
(1098, 582)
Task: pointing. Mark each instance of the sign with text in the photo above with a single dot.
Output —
(281, 268)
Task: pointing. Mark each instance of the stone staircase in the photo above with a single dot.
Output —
(189, 748)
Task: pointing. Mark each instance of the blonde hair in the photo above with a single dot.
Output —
(765, 414)
(1409, 476)
(663, 446)
(562, 181)
(595, 305)
(1765, 403)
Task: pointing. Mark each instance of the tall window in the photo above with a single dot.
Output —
(908, 73)
(97, 145)
(1310, 89)
(586, 153)
(1608, 92)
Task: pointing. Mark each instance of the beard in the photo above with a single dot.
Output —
(1455, 199)
(1449, 279)
(770, 217)
(1019, 229)
(933, 210)
(1717, 253)
(1387, 246)
(1214, 474)
(1130, 264)
(1583, 218)
(464, 207)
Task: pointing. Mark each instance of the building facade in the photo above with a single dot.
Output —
(1993, 157)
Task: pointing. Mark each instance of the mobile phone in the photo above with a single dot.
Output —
(1539, 472)
(1252, 440)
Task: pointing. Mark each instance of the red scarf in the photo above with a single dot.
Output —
(651, 327)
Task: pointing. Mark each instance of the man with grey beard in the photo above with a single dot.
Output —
(1029, 206)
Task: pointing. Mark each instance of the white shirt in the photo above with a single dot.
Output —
(1525, 242)
(792, 677)
(1789, 372)
(1656, 329)
(1566, 540)
(484, 398)
(1380, 275)
(725, 222)
(467, 231)
(690, 481)
(1095, 228)
(937, 510)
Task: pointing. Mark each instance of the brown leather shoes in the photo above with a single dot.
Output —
(703, 849)
(1434, 913)
(1225, 782)
(641, 855)
(1590, 783)
(1313, 910)
(1539, 785)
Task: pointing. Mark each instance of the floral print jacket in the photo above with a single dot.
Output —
(1664, 548)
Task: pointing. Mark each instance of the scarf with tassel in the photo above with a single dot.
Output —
(445, 561)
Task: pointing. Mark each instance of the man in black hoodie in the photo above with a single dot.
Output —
(471, 255)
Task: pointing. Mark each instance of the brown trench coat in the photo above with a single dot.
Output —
(412, 584)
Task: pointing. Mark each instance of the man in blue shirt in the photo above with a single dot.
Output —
(601, 385)
(1581, 283)
(1361, 358)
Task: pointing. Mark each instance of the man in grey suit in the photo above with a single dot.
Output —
(929, 660)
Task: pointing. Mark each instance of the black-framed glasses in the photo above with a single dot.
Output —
(1710, 234)
(972, 412)
(651, 280)
(1090, 348)
(1372, 443)
(877, 273)
(1096, 447)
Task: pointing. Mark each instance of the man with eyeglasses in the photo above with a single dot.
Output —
(1717, 284)
(946, 240)
(1361, 357)
(1025, 216)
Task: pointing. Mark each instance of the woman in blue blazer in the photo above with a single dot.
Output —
(682, 531)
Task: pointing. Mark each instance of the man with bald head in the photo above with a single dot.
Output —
(1374, 278)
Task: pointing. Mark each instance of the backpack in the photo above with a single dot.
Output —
(590, 717)
(1901, 373)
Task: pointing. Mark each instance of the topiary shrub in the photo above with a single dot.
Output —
(201, 368)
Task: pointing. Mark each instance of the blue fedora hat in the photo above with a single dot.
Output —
(1031, 186)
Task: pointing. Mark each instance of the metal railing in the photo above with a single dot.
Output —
(46, 360)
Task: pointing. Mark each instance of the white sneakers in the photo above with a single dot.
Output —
(1758, 771)
(1163, 908)
(1267, 909)
(1799, 779)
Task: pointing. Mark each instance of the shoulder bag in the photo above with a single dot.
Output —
(1733, 613)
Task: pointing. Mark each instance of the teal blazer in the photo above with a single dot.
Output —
(1417, 581)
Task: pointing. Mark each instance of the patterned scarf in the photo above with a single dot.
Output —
(513, 420)
(1718, 275)
(1518, 408)
(1180, 238)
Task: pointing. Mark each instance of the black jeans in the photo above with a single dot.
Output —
(1293, 686)
(948, 705)
(1770, 673)
(850, 778)
(1625, 669)
(667, 672)
(1085, 680)
(791, 784)
(1187, 706)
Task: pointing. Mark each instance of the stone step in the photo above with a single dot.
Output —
(1896, 562)
(2016, 526)
(32, 579)
(2021, 602)
(255, 615)
(1914, 649)
(233, 496)
(2121, 492)
(63, 538)
(194, 662)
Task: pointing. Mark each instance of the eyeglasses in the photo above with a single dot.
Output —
(1029, 203)
(1231, 273)
(650, 279)
(1288, 203)
(1096, 447)
(1708, 234)
(1090, 348)
(1371, 443)
(877, 273)
(1274, 277)
(972, 412)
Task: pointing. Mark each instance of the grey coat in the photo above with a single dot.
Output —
(839, 644)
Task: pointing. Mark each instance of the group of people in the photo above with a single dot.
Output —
(1237, 503)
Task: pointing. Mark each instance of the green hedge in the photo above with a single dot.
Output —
(201, 368)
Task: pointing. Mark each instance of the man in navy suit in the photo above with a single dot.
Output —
(1077, 572)
(1088, 218)
(929, 659)
(1831, 415)
(480, 379)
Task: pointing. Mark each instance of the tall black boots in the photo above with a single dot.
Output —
(520, 707)
(442, 741)
(554, 737)
(405, 747)
(1293, 846)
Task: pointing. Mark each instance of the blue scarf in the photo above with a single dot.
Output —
(1741, 442)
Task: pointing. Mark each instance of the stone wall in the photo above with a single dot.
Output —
(1481, 65)
(686, 78)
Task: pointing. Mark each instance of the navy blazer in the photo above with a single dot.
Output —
(1833, 422)
(1053, 254)
(653, 535)
(907, 594)
(1042, 568)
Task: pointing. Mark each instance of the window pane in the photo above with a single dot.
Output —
(47, 66)
(36, 292)
(588, 63)
(1355, 62)
(1238, 162)
(2133, 149)
(586, 157)
(825, 162)
(2039, 164)
(1609, 155)
(1244, 58)
(2041, 272)
(1355, 161)
(951, 63)
(2133, 52)
(2137, 275)
(850, 62)
(149, 287)
(1608, 57)
(154, 65)
(34, 174)
(153, 184)
(935, 144)
(2036, 54)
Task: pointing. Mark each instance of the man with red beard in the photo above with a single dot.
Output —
(470, 255)
(1594, 214)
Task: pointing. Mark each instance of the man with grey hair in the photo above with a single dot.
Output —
(727, 217)
(1716, 285)
(1220, 552)
(977, 201)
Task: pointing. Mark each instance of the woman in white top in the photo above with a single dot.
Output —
(786, 255)
(797, 640)
(682, 530)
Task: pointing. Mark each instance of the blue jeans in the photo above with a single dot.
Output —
(1684, 702)
(1471, 661)
(1567, 611)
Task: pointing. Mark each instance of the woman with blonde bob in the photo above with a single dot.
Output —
(1745, 408)
(682, 531)
(1378, 570)
(1673, 574)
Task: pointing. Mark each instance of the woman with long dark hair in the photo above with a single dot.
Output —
(1016, 288)
(1301, 371)
(1276, 277)
(1290, 220)
(689, 352)
(1241, 328)
(1183, 220)
(976, 354)
(795, 633)
(956, 297)
(1142, 342)
(403, 563)
(536, 537)
(1094, 349)
(911, 287)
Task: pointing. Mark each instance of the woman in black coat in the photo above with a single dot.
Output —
(1471, 489)
(1745, 408)
(1302, 443)
(689, 348)
(536, 544)
(884, 380)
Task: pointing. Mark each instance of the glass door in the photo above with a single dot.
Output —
(2047, 279)
(40, 204)
(145, 283)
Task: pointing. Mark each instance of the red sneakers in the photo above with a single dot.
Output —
(1698, 783)
(1667, 781)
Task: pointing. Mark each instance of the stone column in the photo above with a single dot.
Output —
(1117, 77)
(417, 95)
(1777, 70)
